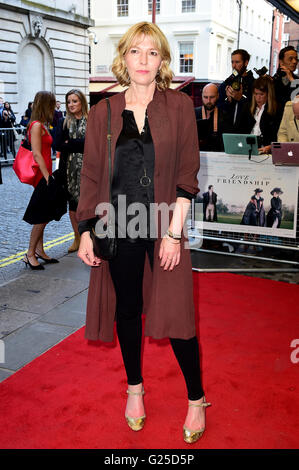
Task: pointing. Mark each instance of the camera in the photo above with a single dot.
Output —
(261, 71)
(235, 81)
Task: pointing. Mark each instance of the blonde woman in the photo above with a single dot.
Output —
(155, 160)
(40, 209)
(70, 143)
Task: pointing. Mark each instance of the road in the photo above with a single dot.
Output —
(14, 232)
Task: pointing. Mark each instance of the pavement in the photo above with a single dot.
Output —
(38, 309)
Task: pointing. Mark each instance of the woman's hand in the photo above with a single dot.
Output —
(169, 253)
(266, 149)
(85, 251)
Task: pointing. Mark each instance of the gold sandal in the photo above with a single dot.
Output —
(136, 424)
(191, 436)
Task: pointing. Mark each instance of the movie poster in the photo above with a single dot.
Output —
(247, 196)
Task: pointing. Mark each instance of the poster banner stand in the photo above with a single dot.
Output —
(246, 203)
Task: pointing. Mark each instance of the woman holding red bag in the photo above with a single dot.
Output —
(40, 208)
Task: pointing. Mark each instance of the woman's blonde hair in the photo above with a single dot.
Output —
(43, 107)
(119, 69)
(264, 84)
(68, 115)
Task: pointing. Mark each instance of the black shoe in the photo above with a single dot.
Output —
(47, 260)
(39, 267)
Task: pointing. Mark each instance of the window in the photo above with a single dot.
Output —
(188, 6)
(186, 57)
(122, 7)
(150, 7)
(218, 57)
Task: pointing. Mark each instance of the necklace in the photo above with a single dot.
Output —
(145, 180)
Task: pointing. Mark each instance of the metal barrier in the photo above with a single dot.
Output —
(10, 140)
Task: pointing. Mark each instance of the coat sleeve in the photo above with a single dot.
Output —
(90, 168)
(188, 148)
(282, 135)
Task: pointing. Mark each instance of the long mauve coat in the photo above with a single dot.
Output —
(168, 295)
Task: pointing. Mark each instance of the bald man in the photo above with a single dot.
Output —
(289, 126)
(211, 121)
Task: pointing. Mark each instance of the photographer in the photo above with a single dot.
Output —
(285, 76)
(237, 88)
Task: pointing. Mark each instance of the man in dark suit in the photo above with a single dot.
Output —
(209, 205)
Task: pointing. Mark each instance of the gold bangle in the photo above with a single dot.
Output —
(172, 240)
(173, 235)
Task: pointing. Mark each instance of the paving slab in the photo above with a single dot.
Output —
(36, 293)
(70, 313)
(11, 320)
(31, 341)
(70, 267)
(4, 373)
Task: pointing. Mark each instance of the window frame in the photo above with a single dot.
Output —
(121, 7)
(150, 9)
(188, 72)
(186, 8)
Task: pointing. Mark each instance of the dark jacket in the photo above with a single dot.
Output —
(206, 201)
(65, 145)
(269, 125)
(230, 107)
(172, 123)
(275, 211)
(254, 213)
(283, 87)
(210, 141)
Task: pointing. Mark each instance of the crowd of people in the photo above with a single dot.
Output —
(67, 136)
(266, 106)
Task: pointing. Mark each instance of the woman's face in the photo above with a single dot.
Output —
(143, 61)
(261, 97)
(6, 105)
(74, 104)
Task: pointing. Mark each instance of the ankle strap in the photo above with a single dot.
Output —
(136, 393)
(204, 404)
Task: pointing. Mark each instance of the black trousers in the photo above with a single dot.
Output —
(127, 275)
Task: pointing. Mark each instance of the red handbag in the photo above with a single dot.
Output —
(25, 167)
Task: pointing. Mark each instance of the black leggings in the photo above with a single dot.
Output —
(127, 275)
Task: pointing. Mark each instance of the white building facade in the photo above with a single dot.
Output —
(44, 45)
(201, 34)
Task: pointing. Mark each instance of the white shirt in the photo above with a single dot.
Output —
(256, 130)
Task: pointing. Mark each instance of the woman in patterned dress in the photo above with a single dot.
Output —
(70, 144)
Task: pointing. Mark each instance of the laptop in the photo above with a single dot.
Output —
(240, 144)
(285, 153)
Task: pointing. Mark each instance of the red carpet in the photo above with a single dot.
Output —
(73, 396)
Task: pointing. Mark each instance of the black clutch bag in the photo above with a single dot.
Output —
(104, 240)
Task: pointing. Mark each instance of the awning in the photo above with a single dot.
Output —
(113, 87)
(288, 7)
